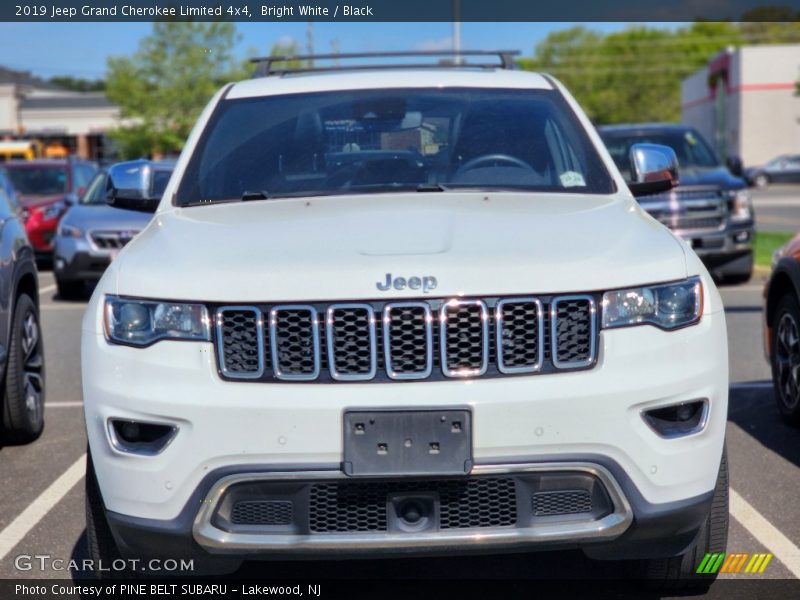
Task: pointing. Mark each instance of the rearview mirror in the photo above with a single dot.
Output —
(654, 169)
(130, 185)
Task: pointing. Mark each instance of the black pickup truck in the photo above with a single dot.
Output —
(711, 208)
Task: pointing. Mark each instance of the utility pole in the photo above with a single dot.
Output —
(457, 31)
(310, 42)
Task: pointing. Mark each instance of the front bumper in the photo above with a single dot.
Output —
(634, 529)
(717, 247)
(74, 259)
(597, 412)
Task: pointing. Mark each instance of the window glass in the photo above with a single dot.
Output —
(373, 141)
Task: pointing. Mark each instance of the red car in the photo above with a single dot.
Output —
(46, 189)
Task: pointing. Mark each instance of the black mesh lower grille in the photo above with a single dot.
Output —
(262, 512)
(561, 503)
(353, 507)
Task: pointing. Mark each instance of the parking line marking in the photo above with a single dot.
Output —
(38, 509)
(765, 532)
(62, 404)
(47, 288)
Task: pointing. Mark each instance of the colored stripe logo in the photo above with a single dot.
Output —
(740, 562)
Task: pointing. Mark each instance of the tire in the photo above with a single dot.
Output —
(761, 180)
(102, 548)
(784, 355)
(70, 290)
(24, 385)
(680, 572)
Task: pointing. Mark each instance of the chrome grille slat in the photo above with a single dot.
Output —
(380, 341)
(465, 351)
(294, 342)
(345, 329)
(111, 240)
(240, 341)
(520, 335)
(404, 325)
(578, 348)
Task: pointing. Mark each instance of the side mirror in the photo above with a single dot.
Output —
(130, 185)
(654, 169)
(735, 166)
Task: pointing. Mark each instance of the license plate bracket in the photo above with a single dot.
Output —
(407, 442)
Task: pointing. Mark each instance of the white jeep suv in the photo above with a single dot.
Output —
(404, 309)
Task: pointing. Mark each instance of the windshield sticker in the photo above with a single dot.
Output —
(690, 138)
(572, 179)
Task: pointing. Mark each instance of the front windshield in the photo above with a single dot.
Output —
(371, 141)
(95, 193)
(692, 150)
(38, 181)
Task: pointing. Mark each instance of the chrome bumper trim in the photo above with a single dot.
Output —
(217, 541)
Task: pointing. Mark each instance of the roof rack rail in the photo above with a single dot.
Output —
(266, 65)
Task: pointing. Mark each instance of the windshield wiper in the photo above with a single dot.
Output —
(254, 195)
(432, 187)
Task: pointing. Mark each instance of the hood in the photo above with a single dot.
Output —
(335, 248)
(32, 201)
(87, 217)
(720, 177)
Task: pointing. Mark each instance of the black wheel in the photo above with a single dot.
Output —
(102, 548)
(23, 407)
(680, 572)
(785, 358)
(69, 290)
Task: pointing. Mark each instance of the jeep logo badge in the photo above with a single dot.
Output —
(426, 284)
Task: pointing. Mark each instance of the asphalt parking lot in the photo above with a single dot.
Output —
(41, 485)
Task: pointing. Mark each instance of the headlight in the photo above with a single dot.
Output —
(143, 322)
(69, 231)
(741, 205)
(53, 211)
(669, 306)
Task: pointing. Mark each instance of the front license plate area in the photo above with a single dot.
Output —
(407, 442)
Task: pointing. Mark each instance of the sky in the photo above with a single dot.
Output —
(81, 49)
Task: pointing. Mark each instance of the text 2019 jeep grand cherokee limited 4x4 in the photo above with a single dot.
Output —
(405, 310)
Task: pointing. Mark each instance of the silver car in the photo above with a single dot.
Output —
(92, 233)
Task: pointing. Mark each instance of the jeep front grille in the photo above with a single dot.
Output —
(406, 340)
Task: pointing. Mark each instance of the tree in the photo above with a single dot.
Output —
(632, 75)
(164, 86)
(77, 84)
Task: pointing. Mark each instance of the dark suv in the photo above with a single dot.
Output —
(711, 208)
(21, 352)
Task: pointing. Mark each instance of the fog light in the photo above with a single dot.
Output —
(138, 437)
(678, 420)
(742, 237)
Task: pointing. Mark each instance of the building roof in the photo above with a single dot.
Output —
(10, 76)
(73, 101)
(387, 79)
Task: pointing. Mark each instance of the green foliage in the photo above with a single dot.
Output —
(766, 243)
(634, 75)
(78, 85)
(164, 86)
